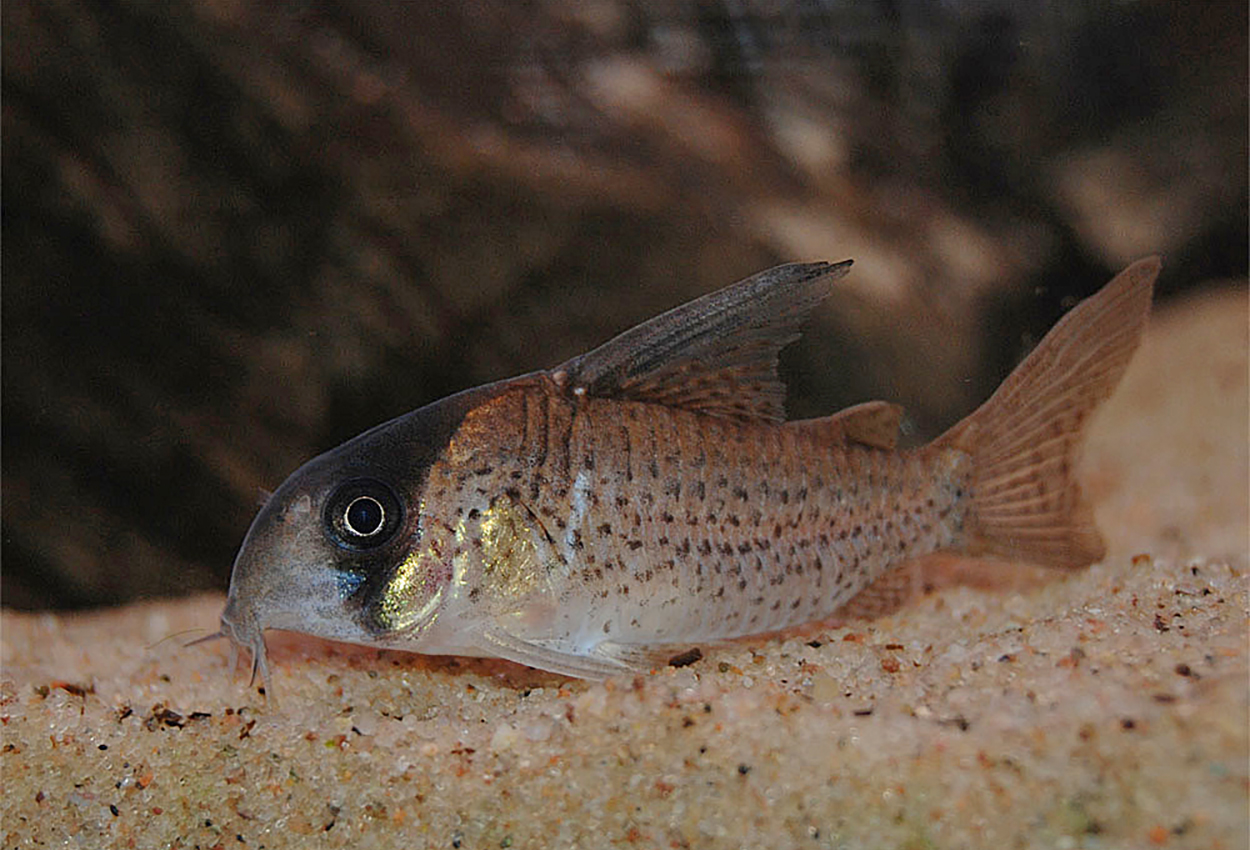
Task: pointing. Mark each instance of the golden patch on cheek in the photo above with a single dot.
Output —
(407, 602)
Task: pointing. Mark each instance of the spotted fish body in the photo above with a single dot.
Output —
(630, 526)
(647, 496)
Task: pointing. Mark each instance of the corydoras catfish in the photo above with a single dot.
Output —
(649, 496)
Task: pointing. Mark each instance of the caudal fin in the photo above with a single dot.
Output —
(1025, 502)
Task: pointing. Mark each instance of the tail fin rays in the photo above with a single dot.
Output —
(1025, 440)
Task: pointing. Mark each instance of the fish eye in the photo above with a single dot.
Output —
(363, 514)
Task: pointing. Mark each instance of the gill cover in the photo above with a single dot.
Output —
(336, 551)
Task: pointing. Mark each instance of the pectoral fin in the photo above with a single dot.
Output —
(550, 655)
(605, 660)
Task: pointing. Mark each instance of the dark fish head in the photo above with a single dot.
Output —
(339, 550)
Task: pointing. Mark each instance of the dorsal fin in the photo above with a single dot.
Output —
(873, 423)
(716, 354)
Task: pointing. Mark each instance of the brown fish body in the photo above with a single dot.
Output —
(603, 523)
(649, 494)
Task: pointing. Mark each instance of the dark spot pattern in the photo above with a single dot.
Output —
(719, 527)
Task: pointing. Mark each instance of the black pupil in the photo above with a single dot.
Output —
(364, 516)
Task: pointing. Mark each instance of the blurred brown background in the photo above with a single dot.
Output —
(237, 233)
